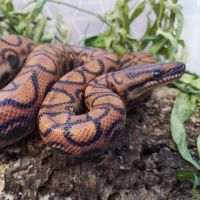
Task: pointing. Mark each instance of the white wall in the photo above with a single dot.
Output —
(78, 22)
(191, 33)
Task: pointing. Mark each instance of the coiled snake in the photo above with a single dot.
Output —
(37, 94)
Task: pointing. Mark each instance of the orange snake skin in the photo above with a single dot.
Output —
(46, 86)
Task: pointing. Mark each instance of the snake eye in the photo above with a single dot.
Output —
(157, 73)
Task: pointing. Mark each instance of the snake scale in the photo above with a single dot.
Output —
(46, 85)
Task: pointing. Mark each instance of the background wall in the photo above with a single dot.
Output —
(191, 33)
(82, 24)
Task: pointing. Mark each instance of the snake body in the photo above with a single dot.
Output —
(56, 79)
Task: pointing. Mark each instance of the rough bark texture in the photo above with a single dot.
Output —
(140, 165)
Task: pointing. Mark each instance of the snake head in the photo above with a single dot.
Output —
(138, 80)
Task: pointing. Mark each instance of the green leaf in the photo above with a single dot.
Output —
(40, 27)
(49, 32)
(169, 37)
(21, 27)
(90, 41)
(186, 88)
(107, 42)
(157, 45)
(177, 9)
(7, 4)
(119, 49)
(186, 175)
(140, 8)
(184, 50)
(160, 14)
(30, 23)
(122, 10)
(123, 35)
(189, 84)
(194, 177)
(195, 193)
(196, 84)
(187, 78)
(62, 28)
(183, 108)
(36, 10)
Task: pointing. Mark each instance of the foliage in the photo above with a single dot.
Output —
(31, 23)
(118, 35)
(184, 107)
(186, 104)
(193, 177)
(162, 36)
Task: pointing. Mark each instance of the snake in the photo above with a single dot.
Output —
(76, 97)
